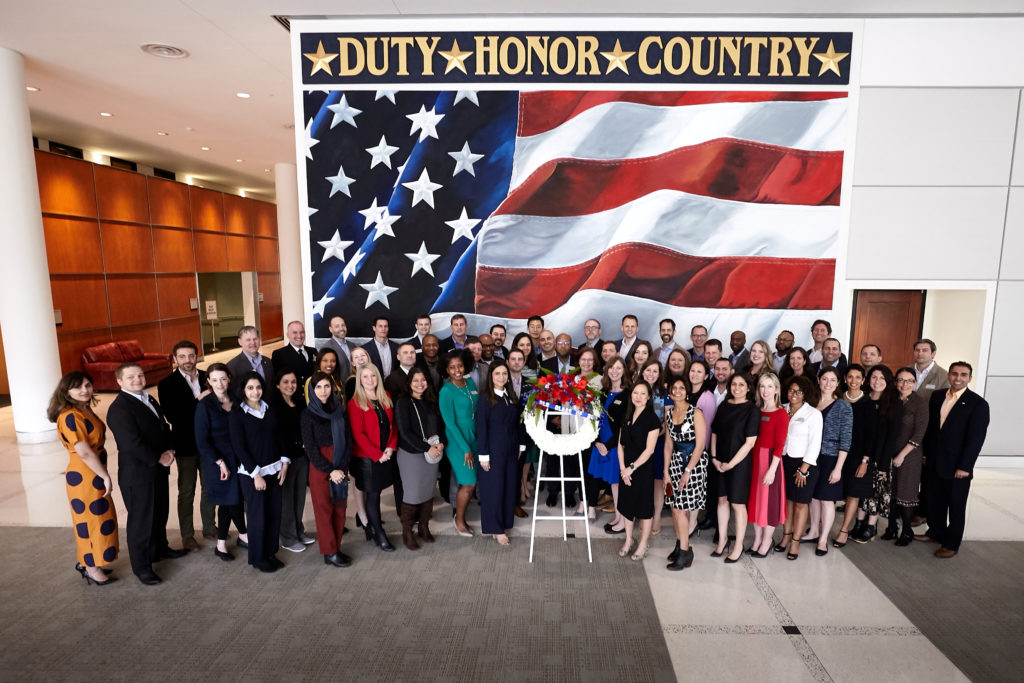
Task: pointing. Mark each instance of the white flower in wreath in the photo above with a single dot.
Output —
(560, 444)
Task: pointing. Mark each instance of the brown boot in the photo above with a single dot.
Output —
(426, 511)
(408, 514)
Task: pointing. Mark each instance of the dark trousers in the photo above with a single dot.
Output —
(497, 491)
(227, 514)
(264, 513)
(397, 485)
(188, 476)
(146, 526)
(444, 469)
(591, 486)
(947, 510)
(293, 500)
(329, 515)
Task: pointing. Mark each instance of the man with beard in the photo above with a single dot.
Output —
(783, 343)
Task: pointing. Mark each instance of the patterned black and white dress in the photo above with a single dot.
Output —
(684, 439)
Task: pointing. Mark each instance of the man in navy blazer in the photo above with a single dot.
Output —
(144, 457)
(250, 359)
(295, 355)
(957, 425)
(383, 352)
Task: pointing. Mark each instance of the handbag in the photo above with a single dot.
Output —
(338, 491)
(433, 440)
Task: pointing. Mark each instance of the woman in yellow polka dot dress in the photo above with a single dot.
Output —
(88, 482)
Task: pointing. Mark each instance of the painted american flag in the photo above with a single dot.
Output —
(712, 207)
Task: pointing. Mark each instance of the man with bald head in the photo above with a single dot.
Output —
(561, 362)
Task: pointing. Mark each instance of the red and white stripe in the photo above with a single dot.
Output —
(716, 201)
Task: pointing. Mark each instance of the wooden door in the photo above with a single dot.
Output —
(890, 319)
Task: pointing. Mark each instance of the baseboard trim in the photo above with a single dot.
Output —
(1000, 461)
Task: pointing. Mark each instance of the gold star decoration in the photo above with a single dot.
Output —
(830, 59)
(456, 57)
(617, 58)
(321, 59)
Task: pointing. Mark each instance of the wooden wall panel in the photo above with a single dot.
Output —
(264, 218)
(72, 245)
(168, 203)
(174, 331)
(270, 287)
(81, 299)
(71, 345)
(121, 195)
(238, 215)
(65, 185)
(240, 254)
(148, 335)
(132, 299)
(127, 248)
(266, 255)
(271, 322)
(172, 250)
(211, 252)
(207, 209)
(173, 294)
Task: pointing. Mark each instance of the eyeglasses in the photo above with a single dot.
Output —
(906, 381)
(563, 343)
(591, 327)
(796, 392)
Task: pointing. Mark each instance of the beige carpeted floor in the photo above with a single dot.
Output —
(460, 610)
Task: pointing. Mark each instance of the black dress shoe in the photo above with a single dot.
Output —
(173, 553)
(241, 544)
(277, 564)
(384, 543)
(265, 567)
(552, 500)
(226, 556)
(149, 578)
(338, 559)
(609, 529)
(706, 524)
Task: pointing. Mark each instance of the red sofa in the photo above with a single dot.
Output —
(101, 361)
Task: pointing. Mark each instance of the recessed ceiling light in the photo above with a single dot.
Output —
(266, 170)
(189, 128)
(165, 51)
(160, 132)
(243, 95)
(31, 88)
(106, 114)
(239, 160)
(205, 148)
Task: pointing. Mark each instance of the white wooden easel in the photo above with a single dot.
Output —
(562, 479)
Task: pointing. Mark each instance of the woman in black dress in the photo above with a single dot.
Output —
(858, 471)
(219, 463)
(637, 439)
(890, 414)
(733, 434)
(256, 438)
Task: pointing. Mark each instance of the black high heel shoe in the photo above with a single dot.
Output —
(90, 580)
(81, 569)
(674, 554)
(781, 547)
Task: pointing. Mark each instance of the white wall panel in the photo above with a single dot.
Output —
(971, 52)
(1013, 240)
(928, 136)
(1018, 154)
(1003, 396)
(915, 233)
(1008, 330)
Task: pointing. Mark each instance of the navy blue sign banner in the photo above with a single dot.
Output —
(565, 57)
(715, 205)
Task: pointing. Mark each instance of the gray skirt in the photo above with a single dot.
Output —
(418, 477)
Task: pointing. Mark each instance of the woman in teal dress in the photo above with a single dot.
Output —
(457, 400)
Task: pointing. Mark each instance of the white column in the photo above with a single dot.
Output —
(26, 305)
(288, 243)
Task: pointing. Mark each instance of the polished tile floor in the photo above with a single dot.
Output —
(815, 619)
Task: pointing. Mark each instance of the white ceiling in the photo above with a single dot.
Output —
(85, 57)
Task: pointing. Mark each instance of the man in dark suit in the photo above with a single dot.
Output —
(459, 334)
(423, 325)
(295, 355)
(957, 425)
(394, 383)
(144, 457)
(831, 357)
(383, 352)
(342, 346)
(498, 334)
(179, 394)
(630, 325)
(250, 359)
(592, 332)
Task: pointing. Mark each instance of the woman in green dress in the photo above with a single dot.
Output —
(457, 400)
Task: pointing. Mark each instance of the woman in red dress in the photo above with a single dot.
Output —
(767, 505)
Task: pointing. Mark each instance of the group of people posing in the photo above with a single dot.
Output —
(772, 438)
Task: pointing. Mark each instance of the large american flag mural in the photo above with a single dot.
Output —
(716, 206)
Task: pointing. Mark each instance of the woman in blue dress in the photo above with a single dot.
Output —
(604, 459)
